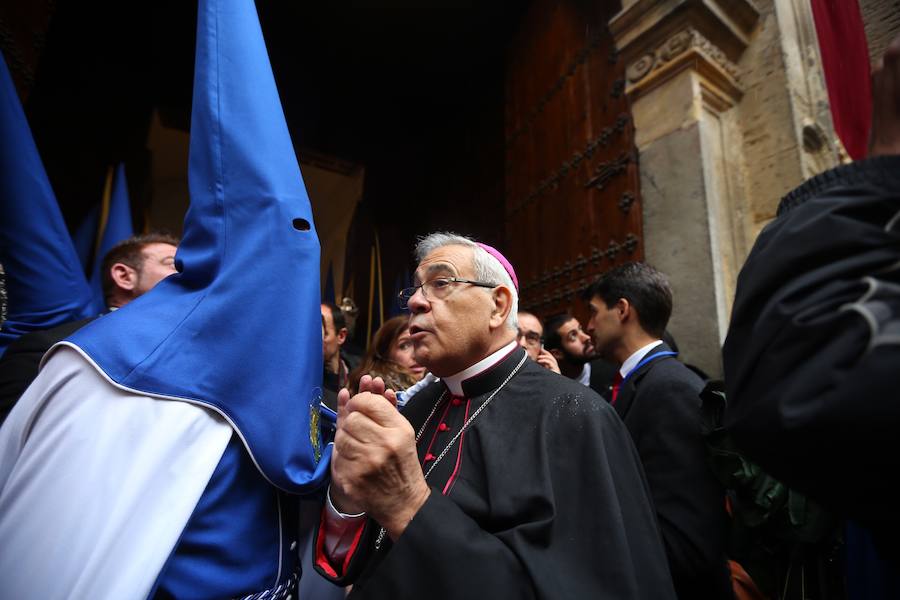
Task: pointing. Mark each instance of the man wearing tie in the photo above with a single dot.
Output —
(658, 399)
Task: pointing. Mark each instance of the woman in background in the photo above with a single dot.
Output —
(390, 356)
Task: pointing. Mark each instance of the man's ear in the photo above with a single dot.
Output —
(342, 336)
(624, 310)
(502, 305)
(557, 353)
(123, 276)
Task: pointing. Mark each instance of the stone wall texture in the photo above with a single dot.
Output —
(882, 21)
(764, 117)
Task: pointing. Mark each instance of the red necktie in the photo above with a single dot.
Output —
(617, 382)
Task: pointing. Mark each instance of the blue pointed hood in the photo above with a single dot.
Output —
(118, 227)
(93, 238)
(44, 282)
(238, 329)
(85, 237)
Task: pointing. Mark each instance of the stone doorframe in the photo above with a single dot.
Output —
(730, 113)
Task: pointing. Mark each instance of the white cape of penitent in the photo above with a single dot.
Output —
(97, 483)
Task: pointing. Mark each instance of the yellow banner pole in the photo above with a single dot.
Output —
(371, 296)
(104, 210)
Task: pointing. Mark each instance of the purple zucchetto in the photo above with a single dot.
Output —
(502, 260)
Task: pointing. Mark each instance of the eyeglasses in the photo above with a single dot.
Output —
(532, 338)
(437, 289)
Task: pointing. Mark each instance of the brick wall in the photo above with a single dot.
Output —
(882, 21)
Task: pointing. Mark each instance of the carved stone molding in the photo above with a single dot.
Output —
(685, 49)
(641, 67)
(658, 39)
(641, 24)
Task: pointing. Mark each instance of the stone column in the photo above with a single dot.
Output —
(683, 81)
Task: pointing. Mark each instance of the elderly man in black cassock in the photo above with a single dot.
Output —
(500, 480)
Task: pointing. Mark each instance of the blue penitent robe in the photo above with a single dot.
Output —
(136, 497)
(163, 447)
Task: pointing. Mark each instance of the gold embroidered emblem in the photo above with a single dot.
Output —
(315, 437)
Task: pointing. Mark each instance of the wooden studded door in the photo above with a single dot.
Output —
(572, 199)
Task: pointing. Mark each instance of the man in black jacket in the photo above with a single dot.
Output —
(812, 353)
(658, 399)
(131, 268)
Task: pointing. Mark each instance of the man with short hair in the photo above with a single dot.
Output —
(131, 268)
(658, 399)
(334, 334)
(500, 480)
(531, 337)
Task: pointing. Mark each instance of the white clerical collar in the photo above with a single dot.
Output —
(454, 382)
(632, 361)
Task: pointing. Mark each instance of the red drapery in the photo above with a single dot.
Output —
(845, 59)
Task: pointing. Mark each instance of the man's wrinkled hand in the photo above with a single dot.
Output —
(375, 468)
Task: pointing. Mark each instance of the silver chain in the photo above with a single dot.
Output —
(459, 433)
(428, 418)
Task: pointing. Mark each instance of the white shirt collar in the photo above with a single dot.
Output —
(454, 382)
(585, 377)
(632, 361)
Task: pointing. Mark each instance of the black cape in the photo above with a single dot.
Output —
(19, 364)
(812, 357)
(543, 497)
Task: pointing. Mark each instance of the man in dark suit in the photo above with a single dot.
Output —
(658, 399)
(131, 268)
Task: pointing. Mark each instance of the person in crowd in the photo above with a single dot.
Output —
(130, 268)
(390, 357)
(499, 481)
(351, 351)
(658, 399)
(574, 351)
(570, 345)
(531, 337)
(134, 266)
(812, 350)
(337, 371)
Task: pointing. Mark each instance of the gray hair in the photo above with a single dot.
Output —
(487, 268)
